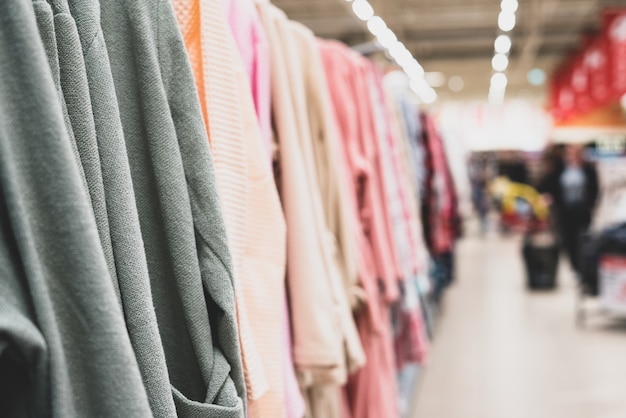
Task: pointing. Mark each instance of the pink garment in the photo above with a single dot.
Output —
(410, 258)
(389, 182)
(326, 340)
(371, 391)
(251, 40)
(293, 397)
(410, 339)
(348, 74)
(254, 221)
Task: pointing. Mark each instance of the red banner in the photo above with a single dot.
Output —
(596, 60)
(614, 27)
(596, 75)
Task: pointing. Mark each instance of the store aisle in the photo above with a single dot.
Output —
(502, 352)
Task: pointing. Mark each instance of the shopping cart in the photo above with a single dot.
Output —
(522, 208)
(603, 273)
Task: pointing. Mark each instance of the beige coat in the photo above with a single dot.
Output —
(326, 344)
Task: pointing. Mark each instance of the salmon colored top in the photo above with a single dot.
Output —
(251, 39)
(371, 391)
(254, 221)
(349, 77)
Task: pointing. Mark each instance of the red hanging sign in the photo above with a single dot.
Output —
(614, 27)
(596, 59)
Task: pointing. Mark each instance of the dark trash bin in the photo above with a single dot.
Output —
(541, 259)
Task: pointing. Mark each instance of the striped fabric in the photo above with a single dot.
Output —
(252, 213)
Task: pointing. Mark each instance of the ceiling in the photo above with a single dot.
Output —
(455, 37)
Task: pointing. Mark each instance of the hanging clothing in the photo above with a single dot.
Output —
(331, 175)
(251, 39)
(254, 219)
(87, 87)
(294, 401)
(439, 201)
(249, 34)
(410, 340)
(323, 336)
(64, 347)
(350, 93)
(371, 391)
(179, 212)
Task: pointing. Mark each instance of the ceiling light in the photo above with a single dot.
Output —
(413, 72)
(429, 96)
(387, 38)
(419, 85)
(509, 6)
(362, 9)
(499, 81)
(376, 25)
(502, 45)
(499, 62)
(456, 83)
(497, 100)
(536, 76)
(413, 69)
(399, 53)
(506, 20)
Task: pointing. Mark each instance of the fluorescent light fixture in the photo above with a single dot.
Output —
(362, 9)
(429, 96)
(496, 100)
(399, 53)
(499, 81)
(456, 84)
(395, 49)
(413, 69)
(419, 85)
(509, 6)
(502, 45)
(499, 62)
(376, 25)
(387, 38)
(506, 20)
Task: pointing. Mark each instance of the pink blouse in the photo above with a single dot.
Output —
(251, 40)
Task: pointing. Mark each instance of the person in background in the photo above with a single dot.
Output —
(514, 167)
(479, 177)
(571, 186)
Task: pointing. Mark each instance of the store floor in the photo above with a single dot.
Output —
(502, 352)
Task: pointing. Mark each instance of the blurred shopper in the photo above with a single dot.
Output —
(572, 186)
(513, 166)
(479, 177)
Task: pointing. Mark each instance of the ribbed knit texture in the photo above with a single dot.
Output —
(252, 212)
(215, 82)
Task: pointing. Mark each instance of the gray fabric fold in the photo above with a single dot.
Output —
(181, 224)
(60, 321)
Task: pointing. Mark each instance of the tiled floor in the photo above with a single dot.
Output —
(502, 352)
